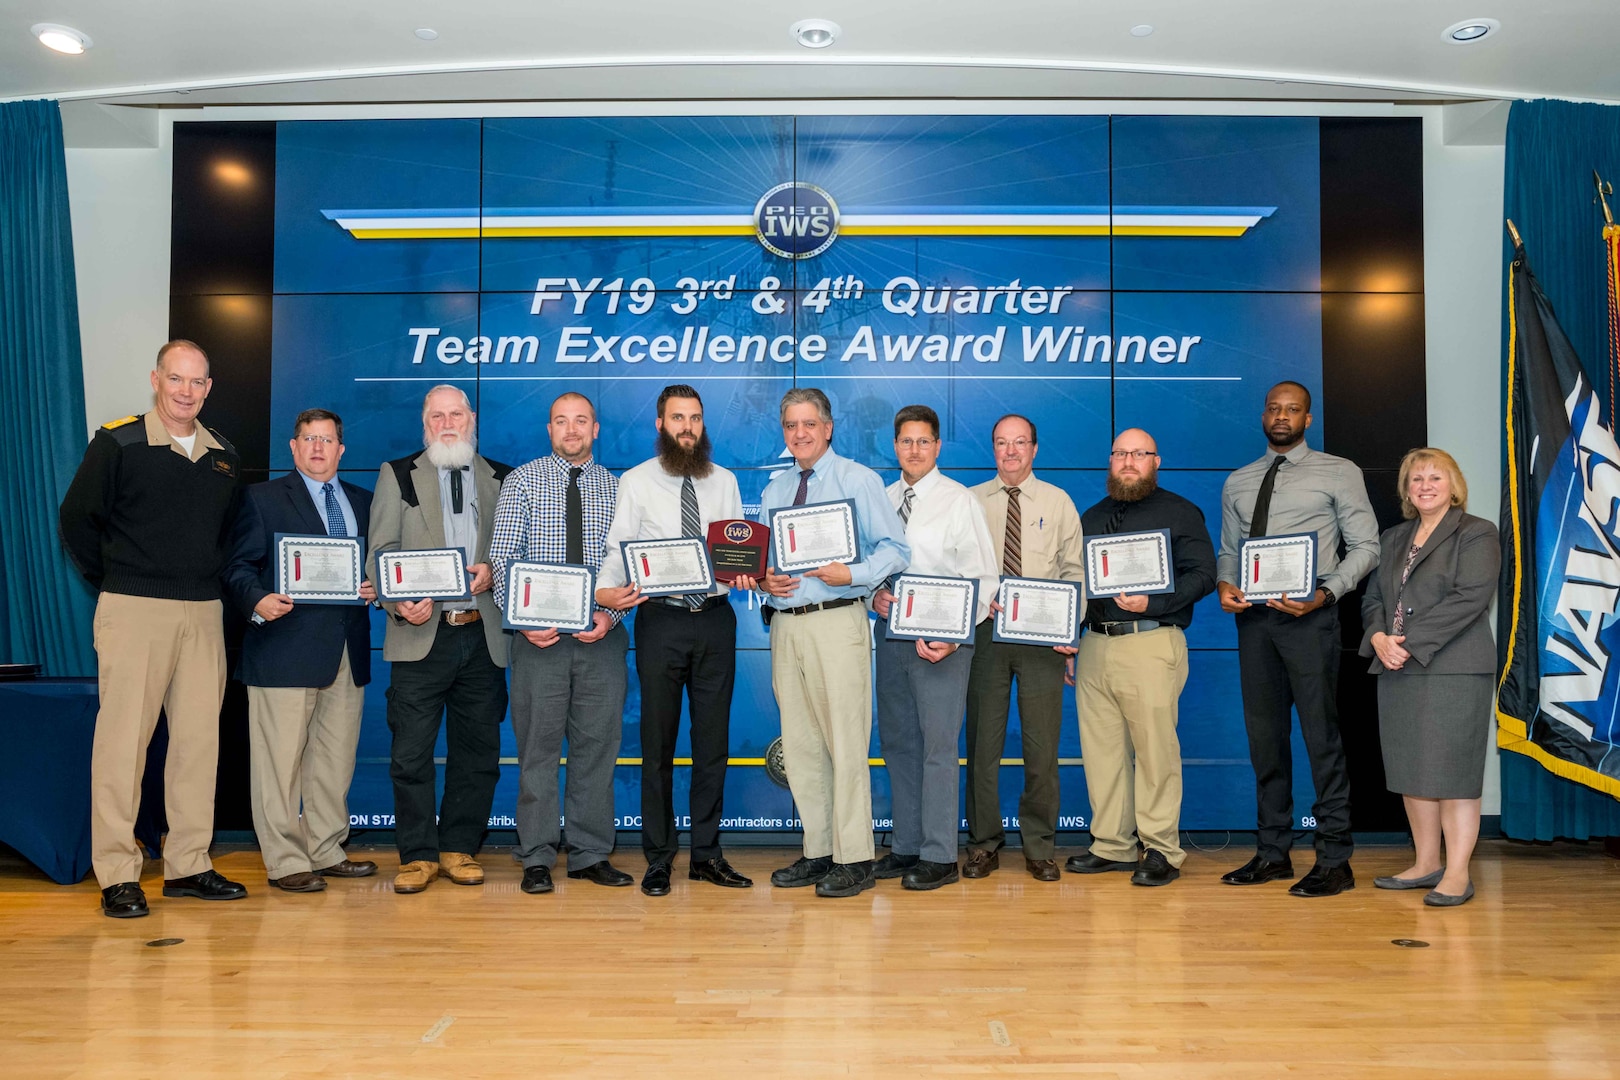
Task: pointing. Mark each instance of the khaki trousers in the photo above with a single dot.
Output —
(1127, 690)
(302, 743)
(155, 655)
(821, 670)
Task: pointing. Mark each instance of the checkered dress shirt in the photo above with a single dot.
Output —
(531, 517)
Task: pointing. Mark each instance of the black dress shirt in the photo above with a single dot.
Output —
(1191, 553)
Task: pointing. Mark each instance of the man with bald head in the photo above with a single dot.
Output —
(447, 656)
(557, 509)
(1130, 672)
(145, 521)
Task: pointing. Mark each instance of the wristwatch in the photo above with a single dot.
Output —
(1328, 599)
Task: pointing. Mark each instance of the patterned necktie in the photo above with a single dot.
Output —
(1012, 561)
(691, 525)
(574, 523)
(1262, 502)
(334, 513)
(804, 487)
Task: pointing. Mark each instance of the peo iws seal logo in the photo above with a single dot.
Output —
(775, 766)
(738, 531)
(796, 220)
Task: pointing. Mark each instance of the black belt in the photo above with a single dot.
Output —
(1117, 629)
(826, 605)
(679, 602)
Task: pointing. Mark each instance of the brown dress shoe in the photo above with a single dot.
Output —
(460, 868)
(1043, 869)
(364, 868)
(302, 881)
(981, 864)
(415, 876)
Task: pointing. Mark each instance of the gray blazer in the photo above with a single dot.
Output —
(401, 524)
(1446, 599)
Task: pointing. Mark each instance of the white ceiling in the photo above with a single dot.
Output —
(188, 53)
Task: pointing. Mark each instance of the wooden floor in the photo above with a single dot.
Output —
(1091, 977)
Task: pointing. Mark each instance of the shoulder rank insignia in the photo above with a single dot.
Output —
(111, 424)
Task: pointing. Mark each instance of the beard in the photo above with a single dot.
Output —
(453, 455)
(1132, 490)
(677, 460)
(1281, 440)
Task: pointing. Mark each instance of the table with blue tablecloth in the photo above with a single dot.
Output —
(46, 729)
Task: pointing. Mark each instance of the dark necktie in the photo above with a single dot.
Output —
(691, 525)
(1117, 518)
(804, 487)
(574, 527)
(1262, 501)
(334, 513)
(455, 491)
(1012, 560)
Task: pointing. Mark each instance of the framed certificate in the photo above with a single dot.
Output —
(1277, 566)
(1037, 611)
(668, 567)
(1136, 563)
(805, 537)
(432, 574)
(934, 608)
(318, 569)
(541, 596)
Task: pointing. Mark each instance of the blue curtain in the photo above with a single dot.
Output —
(1552, 149)
(45, 607)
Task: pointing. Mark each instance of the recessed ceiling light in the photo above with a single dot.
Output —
(815, 33)
(64, 39)
(426, 34)
(1470, 30)
(1142, 30)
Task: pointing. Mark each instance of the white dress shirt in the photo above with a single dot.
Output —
(948, 534)
(649, 508)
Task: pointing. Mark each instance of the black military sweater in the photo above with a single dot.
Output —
(143, 520)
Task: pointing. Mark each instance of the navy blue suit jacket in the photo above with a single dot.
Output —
(304, 646)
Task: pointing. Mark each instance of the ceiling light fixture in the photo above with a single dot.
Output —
(64, 39)
(1470, 30)
(815, 33)
(1141, 30)
(426, 33)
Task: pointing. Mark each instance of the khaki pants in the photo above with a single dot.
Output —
(1127, 690)
(302, 742)
(821, 670)
(155, 655)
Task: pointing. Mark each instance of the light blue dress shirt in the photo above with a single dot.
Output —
(881, 536)
(319, 498)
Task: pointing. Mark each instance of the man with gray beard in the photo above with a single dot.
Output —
(447, 656)
(1130, 672)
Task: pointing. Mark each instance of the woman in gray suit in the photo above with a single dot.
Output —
(1427, 630)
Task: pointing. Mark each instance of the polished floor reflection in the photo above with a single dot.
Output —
(1089, 977)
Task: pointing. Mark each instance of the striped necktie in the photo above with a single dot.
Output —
(905, 519)
(1012, 560)
(691, 525)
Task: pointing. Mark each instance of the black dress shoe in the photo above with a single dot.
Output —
(1155, 870)
(1096, 864)
(602, 873)
(803, 872)
(930, 875)
(847, 879)
(1258, 871)
(363, 868)
(893, 866)
(536, 880)
(655, 882)
(208, 885)
(124, 901)
(717, 871)
(1324, 881)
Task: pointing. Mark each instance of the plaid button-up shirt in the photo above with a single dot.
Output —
(531, 517)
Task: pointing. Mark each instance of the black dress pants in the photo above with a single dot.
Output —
(1287, 662)
(458, 680)
(695, 651)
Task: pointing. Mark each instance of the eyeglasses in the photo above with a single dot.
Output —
(920, 444)
(1134, 455)
(312, 440)
(1019, 443)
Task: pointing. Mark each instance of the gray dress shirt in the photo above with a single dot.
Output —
(460, 530)
(1313, 492)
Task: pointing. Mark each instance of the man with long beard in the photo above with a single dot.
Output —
(682, 642)
(447, 656)
(1130, 672)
